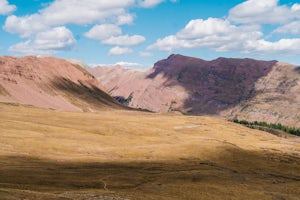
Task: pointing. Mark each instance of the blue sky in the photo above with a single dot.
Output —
(137, 33)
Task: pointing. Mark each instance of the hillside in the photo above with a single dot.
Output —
(47, 154)
(277, 98)
(54, 83)
(232, 88)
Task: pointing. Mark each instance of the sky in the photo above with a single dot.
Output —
(138, 33)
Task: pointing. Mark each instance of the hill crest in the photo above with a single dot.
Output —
(54, 83)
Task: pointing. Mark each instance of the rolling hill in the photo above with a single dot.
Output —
(49, 82)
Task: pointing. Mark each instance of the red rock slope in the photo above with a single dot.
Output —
(49, 82)
(223, 87)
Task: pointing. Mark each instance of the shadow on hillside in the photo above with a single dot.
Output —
(297, 69)
(234, 167)
(89, 94)
(215, 85)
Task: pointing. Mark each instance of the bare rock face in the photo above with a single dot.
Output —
(232, 88)
(136, 89)
(276, 99)
(49, 82)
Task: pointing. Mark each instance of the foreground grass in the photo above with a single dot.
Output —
(130, 155)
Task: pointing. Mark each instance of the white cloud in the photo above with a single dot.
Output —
(84, 12)
(125, 19)
(129, 65)
(296, 7)
(106, 15)
(263, 12)
(150, 3)
(119, 51)
(47, 42)
(62, 12)
(216, 34)
(124, 64)
(291, 46)
(24, 26)
(145, 54)
(104, 31)
(124, 40)
(109, 34)
(6, 8)
(201, 28)
(289, 28)
(220, 35)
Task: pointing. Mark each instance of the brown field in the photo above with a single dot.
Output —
(46, 154)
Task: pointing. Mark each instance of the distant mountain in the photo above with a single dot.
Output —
(49, 82)
(233, 88)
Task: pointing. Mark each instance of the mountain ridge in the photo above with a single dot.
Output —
(50, 82)
(223, 87)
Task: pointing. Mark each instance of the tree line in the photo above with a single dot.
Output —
(278, 126)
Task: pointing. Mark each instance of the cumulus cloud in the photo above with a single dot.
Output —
(124, 40)
(217, 34)
(6, 8)
(125, 19)
(291, 46)
(201, 28)
(240, 39)
(110, 34)
(145, 54)
(263, 12)
(289, 28)
(83, 12)
(106, 16)
(241, 31)
(103, 31)
(119, 51)
(296, 7)
(47, 42)
(62, 12)
(24, 26)
(151, 3)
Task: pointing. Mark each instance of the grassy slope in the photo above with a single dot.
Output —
(48, 154)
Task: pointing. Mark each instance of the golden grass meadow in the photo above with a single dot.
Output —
(47, 154)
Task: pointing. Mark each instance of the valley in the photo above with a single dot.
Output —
(47, 154)
(149, 100)
(62, 136)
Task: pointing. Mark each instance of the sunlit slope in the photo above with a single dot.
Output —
(131, 155)
(49, 82)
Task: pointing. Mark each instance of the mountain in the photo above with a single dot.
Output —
(233, 88)
(54, 83)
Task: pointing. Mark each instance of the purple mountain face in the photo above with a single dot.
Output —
(233, 88)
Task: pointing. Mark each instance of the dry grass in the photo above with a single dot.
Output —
(48, 154)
